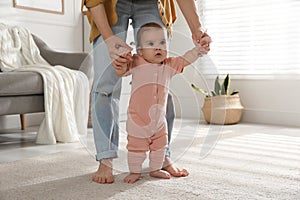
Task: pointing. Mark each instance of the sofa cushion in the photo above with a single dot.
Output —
(20, 83)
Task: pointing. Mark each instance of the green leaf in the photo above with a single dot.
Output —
(219, 89)
(213, 93)
(226, 85)
(234, 92)
(223, 91)
(217, 86)
(200, 90)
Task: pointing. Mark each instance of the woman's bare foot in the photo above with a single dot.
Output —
(132, 178)
(160, 174)
(104, 172)
(173, 170)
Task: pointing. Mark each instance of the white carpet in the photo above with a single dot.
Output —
(252, 166)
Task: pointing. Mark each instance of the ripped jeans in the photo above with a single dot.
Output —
(107, 85)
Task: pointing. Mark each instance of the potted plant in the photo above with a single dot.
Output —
(221, 106)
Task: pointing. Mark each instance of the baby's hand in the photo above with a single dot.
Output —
(203, 39)
(122, 61)
(205, 42)
(200, 51)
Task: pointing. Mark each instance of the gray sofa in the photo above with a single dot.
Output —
(23, 92)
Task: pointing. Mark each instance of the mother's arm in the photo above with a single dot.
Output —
(189, 11)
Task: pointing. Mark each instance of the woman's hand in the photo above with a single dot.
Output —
(202, 39)
(119, 51)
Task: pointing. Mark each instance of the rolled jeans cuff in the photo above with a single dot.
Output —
(105, 155)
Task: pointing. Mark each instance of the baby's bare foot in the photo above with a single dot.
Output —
(104, 172)
(132, 178)
(160, 174)
(173, 170)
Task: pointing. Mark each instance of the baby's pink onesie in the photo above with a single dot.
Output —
(146, 123)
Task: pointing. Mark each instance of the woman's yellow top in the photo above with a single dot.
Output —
(166, 9)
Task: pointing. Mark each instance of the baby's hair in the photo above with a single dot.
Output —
(144, 28)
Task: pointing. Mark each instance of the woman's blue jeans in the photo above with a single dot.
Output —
(107, 85)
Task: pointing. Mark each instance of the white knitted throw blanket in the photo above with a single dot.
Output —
(66, 91)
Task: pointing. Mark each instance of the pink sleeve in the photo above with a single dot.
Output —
(175, 64)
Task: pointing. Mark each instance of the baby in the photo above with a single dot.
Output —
(146, 125)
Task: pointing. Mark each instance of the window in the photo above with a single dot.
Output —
(253, 37)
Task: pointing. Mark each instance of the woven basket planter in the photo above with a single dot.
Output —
(222, 109)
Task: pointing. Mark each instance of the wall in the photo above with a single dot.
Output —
(267, 100)
(270, 100)
(60, 32)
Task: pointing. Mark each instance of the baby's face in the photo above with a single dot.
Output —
(153, 47)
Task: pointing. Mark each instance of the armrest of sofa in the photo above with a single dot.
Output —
(77, 61)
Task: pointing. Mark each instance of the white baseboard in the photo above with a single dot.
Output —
(272, 117)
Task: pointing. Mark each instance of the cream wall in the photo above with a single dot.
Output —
(60, 32)
(267, 100)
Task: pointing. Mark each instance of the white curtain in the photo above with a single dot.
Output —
(253, 36)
